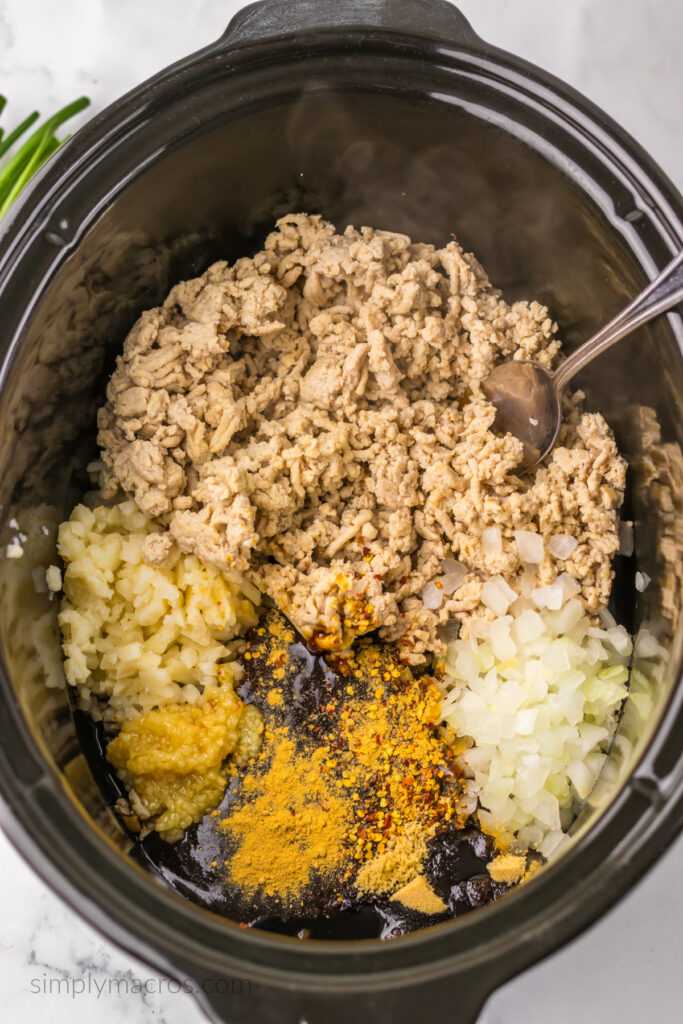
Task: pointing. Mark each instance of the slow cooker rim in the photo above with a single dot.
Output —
(117, 116)
(84, 147)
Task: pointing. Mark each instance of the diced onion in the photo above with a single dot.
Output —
(562, 545)
(642, 580)
(432, 596)
(569, 585)
(537, 691)
(497, 595)
(529, 626)
(551, 842)
(493, 599)
(619, 639)
(452, 581)
(626, 540)
(529, 546)
(492, 540)
(647, 646)
(548, 597)
(450, 565)
(454, 574)
(606, 618)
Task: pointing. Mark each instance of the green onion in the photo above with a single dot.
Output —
(13, 136)
(35, 150)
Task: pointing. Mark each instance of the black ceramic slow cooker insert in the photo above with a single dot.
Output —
(394, 114)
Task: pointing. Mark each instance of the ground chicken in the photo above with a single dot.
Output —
(313, 417)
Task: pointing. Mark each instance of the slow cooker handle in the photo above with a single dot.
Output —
(458, 999)
(434, 19)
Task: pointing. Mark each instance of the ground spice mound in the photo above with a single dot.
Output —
(419, 895)
(353, 780)
(400, 862)
(508, 868)
(291, 825)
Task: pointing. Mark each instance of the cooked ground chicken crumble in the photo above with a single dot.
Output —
(313, 417)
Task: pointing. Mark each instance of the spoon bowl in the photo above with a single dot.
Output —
(528, 397)
(527, 406)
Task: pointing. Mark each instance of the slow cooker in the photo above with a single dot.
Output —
(391, 113)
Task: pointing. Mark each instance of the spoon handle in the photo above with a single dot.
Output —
(661, 294)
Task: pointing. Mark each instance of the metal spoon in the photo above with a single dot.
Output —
(527, 396)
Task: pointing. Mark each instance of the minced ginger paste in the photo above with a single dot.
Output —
(173, 760)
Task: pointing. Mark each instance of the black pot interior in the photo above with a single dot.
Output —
(427, 167)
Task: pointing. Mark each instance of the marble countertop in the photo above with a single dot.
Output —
(625, 55)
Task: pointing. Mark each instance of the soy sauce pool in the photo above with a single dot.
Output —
(194, 867)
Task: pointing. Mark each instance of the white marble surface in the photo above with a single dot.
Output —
(624, 54)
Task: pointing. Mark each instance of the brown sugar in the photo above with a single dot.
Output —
(419, 895)
(507, 867)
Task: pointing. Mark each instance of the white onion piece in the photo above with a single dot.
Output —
(452, 581)
(642, 581)
(497, 595)
(595, 762)
(555, 658)
(528, 626)
(529, 546)
(432, 596)
(569, 585)
(551, 843)
(607, 619)
(527, 582)
(504, 587)
(450, 565)
(626, 540)
(562, 545)
(620, 640)
(493, 599)
(567, 617)
(548, 597)
(502, 644)
(53, 578)
(492, 540)
(647, 645)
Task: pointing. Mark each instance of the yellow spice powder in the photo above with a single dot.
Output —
(397, 865)
(290, 828)
(419, 895)
(507, 867)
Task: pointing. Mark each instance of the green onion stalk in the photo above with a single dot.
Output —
(19, 164)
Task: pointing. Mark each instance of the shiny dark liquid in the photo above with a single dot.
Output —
(194, 866)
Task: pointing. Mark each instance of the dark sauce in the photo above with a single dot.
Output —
(193, 867)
